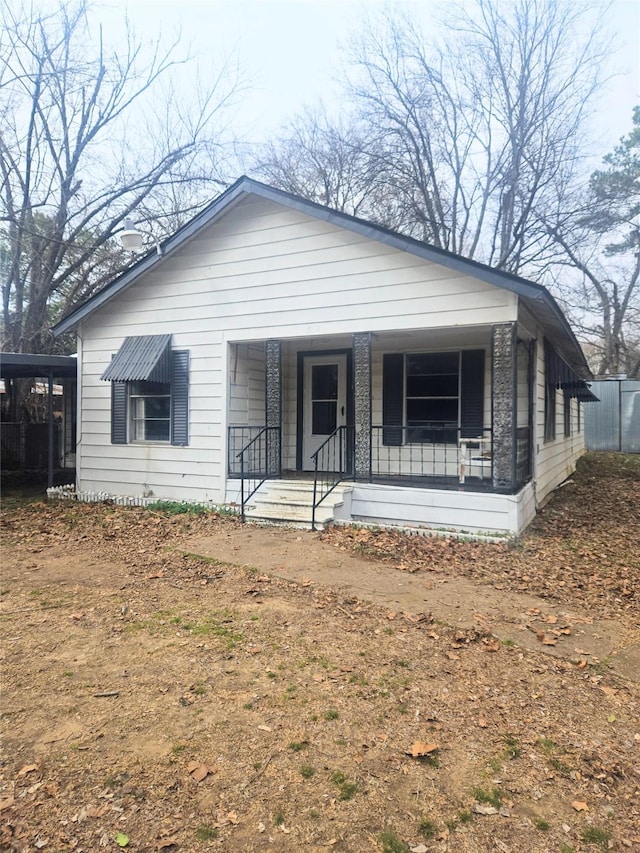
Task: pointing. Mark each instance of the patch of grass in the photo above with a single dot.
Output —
(278, 819)
(567, 848)
(601, 667)
(248, 706)
(298, 745)
(513, 748)
(347, 789)
(199, 689)
(67, 673)
(492, 798)
(331, 714)
(599, 837)
(390, 842)
(178, 748)
(307, 771)
(510, 644)
(427, 828)
(206, 833)
(542, 824)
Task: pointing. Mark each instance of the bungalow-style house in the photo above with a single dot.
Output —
(299, 363)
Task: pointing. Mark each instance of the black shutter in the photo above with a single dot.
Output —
(180, 397)
(472, 394)
(392, 398)
(118, 413)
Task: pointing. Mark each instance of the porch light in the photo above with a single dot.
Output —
(131, 238)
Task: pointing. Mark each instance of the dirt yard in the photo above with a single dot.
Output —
(178, 682)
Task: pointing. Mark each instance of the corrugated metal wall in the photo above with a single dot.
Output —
(614, 422)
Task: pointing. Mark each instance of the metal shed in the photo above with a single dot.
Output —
(613, 423)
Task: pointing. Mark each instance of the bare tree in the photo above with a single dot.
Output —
(88, 135)
(599, 238)
(459, 139)
(483, 131)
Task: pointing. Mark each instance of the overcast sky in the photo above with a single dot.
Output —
(290, 49)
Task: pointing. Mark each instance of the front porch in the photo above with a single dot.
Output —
(438, 410)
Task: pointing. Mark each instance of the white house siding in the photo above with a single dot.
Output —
(555, 460)
(471, 512)
(262, 271)
(246, 384)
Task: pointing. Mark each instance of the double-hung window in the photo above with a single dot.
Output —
(149, 392)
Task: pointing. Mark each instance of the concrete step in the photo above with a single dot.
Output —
(291, 502)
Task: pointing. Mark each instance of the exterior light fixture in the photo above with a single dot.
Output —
(131, 238)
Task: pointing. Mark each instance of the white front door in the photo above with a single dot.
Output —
(324, 402)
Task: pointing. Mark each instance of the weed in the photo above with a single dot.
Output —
(465, 816)
(601, 667)
(177, 748)
(67, 673)
(199, 689)
(567, 848)
(542, 825)
(513, 749)
(331, 714)
(206, 833)
(298, 745)
(493, 797)
(272, 674)
(347, 789)
(307, 771)
(403, 663)
(599, 837)
(248, 706)
(278, 818)
(494, 765)
(547, 743)
(508, 643)
(390, 842)
(427, 828)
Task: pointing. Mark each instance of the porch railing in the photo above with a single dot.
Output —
(429, 453)
(332, 463)
(258, 461)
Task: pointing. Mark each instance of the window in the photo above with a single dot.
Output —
(567, 414)
(150, 411)
(550, 369)
(149, 392)
(432, 397)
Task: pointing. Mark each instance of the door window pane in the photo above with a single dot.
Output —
(324, 382)
(324, 417)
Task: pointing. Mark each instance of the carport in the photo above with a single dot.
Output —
(48, 368)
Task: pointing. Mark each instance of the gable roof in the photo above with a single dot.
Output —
(535, 296)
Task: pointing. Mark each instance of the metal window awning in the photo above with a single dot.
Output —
(141, 358)
(561, 375)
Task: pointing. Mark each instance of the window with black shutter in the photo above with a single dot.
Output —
(149, 392)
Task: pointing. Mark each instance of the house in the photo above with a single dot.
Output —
(298, 362)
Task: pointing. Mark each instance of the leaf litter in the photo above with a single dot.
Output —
(366, 694)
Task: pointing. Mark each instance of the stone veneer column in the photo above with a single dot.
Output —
(503, 395)
(362, 404)
(273, 405)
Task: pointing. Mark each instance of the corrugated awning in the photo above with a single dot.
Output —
(141, 358)
(561, 375)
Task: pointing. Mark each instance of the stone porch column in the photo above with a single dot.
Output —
(503, 396)
(273, 405)
(362, 404)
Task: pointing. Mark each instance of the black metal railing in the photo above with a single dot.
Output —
(332, 463)
(258, 460)
(431, 453)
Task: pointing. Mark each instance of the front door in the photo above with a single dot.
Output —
(324, 402)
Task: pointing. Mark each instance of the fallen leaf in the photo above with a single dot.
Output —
(28, 768)
(197, 770)
(77, 616)
(420, 749)
(580, 806)
(482, 722)
(122, 840)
